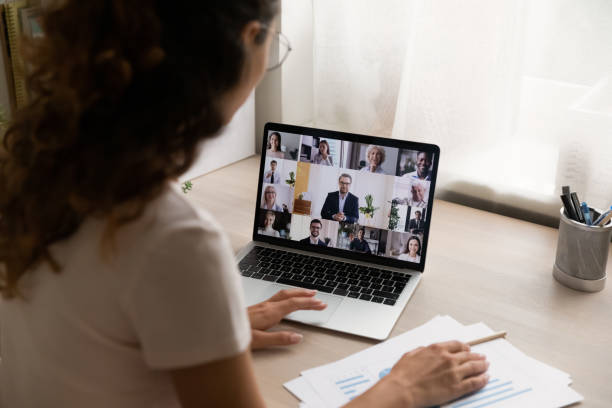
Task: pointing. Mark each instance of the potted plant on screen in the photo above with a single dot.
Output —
(393, 215)
(291, 180)
(369, 209)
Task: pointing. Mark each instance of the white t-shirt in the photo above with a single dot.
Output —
(102, 332)
(406, 257)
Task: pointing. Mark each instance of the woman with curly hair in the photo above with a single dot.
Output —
(116, 292)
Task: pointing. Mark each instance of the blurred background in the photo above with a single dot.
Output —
(517, 93)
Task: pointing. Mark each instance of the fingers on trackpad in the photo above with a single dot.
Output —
(318, 316)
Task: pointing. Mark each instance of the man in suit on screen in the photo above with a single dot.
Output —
(341, 205)
(313, 238)
(417, 224)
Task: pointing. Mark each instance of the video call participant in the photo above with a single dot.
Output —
(268, 223)
(412, 252)
(274, 146)
(418, 193)
(272, 176)
(341, 205)
(375, 156)
(269, 200)
(322, 157)
(359, 244)
(416, 225)
(315, 229)
(423, 164)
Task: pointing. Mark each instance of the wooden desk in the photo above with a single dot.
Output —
(480, 267)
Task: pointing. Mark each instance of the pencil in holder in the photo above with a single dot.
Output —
(582, 253)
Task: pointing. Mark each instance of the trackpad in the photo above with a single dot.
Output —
(310, 316)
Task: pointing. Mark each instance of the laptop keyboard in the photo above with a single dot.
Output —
(325, 275)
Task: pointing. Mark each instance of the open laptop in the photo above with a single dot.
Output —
(345, 214)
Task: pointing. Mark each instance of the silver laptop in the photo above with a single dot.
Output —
(345, 214)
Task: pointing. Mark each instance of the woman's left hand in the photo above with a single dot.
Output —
(269, 313)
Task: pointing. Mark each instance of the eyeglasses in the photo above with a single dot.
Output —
(279, 50)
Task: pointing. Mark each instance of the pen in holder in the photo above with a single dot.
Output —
(582, 253)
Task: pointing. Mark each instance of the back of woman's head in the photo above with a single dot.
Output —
(123, 93)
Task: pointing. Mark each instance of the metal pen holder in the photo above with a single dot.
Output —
(582, 253)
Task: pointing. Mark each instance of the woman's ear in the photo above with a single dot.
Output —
(251, 33)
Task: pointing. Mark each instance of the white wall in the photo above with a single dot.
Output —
(297, 71)
(235, 142)
(286, 94)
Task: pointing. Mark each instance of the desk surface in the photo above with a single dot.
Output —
(480, 267)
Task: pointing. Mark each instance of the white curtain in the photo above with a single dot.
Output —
(517, 93)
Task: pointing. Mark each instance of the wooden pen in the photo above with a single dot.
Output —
(490, 337)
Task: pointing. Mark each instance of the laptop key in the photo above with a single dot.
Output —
(320, 281)
(299, 284)
(375, 286)
(366, 291)
(307, 279)
(385, 294)
(365, 297)
(341, 292)
(246, 273)
(355, 288)
(270, 278)
(343, 286)
(363, 284)
(387, 289)
(377, 299)
(353, 294)
(331, 283)
(389, 302)
(257, 275)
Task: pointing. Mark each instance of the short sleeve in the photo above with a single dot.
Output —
(186, 302)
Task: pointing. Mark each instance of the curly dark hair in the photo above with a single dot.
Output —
(124, 92)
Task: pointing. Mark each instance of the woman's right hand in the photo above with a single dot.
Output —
(428, 376)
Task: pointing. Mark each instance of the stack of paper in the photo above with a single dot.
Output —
(516, 380)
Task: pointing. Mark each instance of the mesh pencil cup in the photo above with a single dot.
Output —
(582, 253)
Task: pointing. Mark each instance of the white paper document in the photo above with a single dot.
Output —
(517, 380)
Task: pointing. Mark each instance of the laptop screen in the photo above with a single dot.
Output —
(349, 195)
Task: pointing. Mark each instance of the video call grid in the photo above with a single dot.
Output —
(401, 214)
